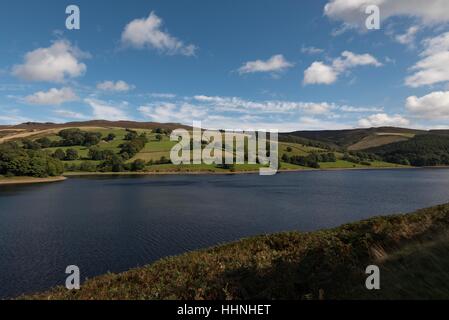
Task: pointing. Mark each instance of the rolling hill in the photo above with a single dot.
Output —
(344, 139)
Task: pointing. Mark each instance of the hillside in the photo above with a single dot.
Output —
(346, 138)
(379, 139)
(411, 251)
(422, 150)
(91, 149)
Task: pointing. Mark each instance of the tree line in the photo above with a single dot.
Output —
(17, 161)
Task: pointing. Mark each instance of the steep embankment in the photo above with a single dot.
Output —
(410, 250)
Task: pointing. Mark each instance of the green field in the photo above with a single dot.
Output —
(155, 150)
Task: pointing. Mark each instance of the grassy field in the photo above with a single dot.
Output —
(342, 164)
(380, 139)
(411, 251)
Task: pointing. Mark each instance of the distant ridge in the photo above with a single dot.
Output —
(96, 123)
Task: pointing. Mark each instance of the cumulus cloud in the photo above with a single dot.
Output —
(432, 106)
(119, 86)
(321, 73)
(147, 33)
(433, 68)
(102, 110)
(384, 120)
(53, 97)
(352, 13)
(276, 63)
(53, 64)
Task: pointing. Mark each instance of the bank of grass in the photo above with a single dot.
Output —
(410, 250)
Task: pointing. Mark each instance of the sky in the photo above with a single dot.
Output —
(255, 64)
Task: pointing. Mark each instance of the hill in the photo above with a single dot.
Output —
(422, 150)
(411, 251)
(345, 138)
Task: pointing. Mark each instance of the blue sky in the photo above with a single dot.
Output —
(287, 64)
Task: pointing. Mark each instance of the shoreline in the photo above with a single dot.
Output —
(30, 180)
(193, 173)
(68, 175)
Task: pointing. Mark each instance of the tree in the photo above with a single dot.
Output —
(44, 142)
(16, 161)
(289, 149)
(138, 165)
(30, 144)
(131, 135)
(110, 137)
(71, 154)
(159, 137)
(59, 154)
(91, 139)
(87, 166)
(113, 164)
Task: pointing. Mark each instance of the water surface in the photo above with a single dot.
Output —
(112, 224)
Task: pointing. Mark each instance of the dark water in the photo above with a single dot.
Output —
(113, 224)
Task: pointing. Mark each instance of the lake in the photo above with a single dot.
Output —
(112, 224)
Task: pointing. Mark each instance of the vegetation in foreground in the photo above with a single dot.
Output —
(411, 251)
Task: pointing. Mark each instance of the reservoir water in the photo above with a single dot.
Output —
(113, 224)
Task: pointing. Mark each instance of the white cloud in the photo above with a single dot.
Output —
(11, 117)
(102, 110)
(52, 64)
(163, 95)
(321, 73)
(276, 63)
(52, 97)
(432, 106)
(170, 112)
(352, 13)
(146, 32)
(433, 68)
(360, 109)
(311, 50)
(408, 37)
(70, 114)
(384, 120)
(119, 86)
(235, 104)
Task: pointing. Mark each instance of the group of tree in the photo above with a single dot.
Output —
(69, 138)
(68, 155)
(289, 138)
(133, 146)
(77, 137)
(422, 150)
(312, 160)
(359, 157)
(17, 161)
